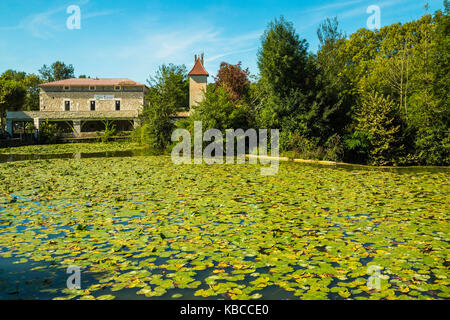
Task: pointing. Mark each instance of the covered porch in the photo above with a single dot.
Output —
(71, 124)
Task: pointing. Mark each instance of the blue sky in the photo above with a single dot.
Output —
(131, 38)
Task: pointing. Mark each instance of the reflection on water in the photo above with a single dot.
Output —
(148, 152)
(76, 155)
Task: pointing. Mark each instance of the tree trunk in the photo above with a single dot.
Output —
(2, 120)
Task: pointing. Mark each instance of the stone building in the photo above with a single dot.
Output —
(82, 107)
(197, 82)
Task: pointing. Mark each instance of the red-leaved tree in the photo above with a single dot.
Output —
(234, 79)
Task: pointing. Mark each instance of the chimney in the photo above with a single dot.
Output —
(195, 59)
(202, 58)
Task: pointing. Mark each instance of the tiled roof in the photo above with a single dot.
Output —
(93, 82)
(198, 69)
(81, 115)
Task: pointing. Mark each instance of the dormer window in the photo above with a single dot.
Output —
(91, 88)
(117, 88)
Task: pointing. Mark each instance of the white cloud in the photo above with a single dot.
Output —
(43, 25)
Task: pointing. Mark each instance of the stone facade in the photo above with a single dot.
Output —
(198, 77)
(82, 103)
(80, 99)
(197, 89)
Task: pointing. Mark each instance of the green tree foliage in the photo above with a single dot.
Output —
(334, 100)
(168, 94)
(49, 132)
(409, 63)
(57, 71)
(30, 82)
(218, 110)
(284, 93)
(378, 118)
(12, 97)
(283, 59)
(109, 132)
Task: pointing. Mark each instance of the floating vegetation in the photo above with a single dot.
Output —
(143, 227)
(72, 148)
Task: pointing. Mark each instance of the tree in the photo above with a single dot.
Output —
(220, 111)
(170, 85)
(13, 75)
(333, 99)
(378, 119)
(234, 79)
(283, 59)
(12, 95)
(287, 79)
(31, 83)
(168, 95)
(57, 71)
(431, 117)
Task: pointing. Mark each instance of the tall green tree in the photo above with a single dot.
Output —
(31, 83)
(283, 59)
(378, 118)
(12, 96)
(333, 99)
(171, 85)
(57, 71)
(286, 87)
(168, 94)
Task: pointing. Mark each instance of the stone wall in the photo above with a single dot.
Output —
(80, 101)
(197, 84)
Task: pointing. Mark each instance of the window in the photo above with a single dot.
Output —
(117, 105)
(67, 105)
(92, 88)
(92, 105)
(66, 88)
(117, 88)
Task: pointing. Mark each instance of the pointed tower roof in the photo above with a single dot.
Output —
(198, 69)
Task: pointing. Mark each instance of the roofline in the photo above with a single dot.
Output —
(201, 72)
(54, 83)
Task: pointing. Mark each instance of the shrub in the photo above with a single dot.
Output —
(379, 119)
(334, 148)
(110, 131)
(49, 132)
(356, 147)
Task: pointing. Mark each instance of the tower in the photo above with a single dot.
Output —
(197, 82)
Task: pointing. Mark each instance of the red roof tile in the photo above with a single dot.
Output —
(198, 69)
(93, 82)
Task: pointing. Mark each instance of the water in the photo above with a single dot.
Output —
(13, 157)
(45, 279)
(75, 155)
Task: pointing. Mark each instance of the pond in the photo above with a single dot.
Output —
(140, 227)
